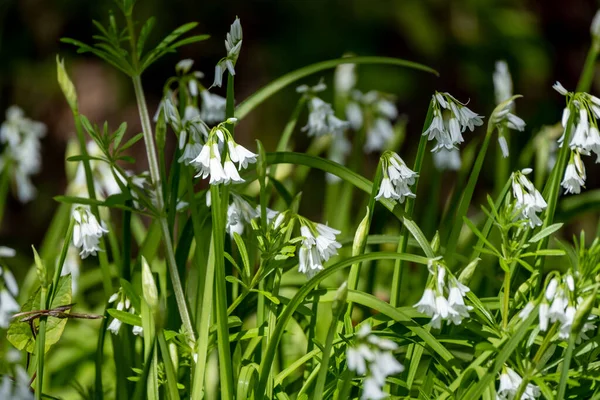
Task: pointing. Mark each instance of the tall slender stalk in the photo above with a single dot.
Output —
(164, 225)
(408, 209)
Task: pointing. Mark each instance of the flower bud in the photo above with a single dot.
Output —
(40, 269)
(149, 286)
(582, 313)
(595, 26)
(339, 302)
(360, 236)
(435, 242)
(66, 85)
(467, 273)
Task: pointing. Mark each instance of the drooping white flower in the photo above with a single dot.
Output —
(449, 134)
(122, 304)
(240, 154)
(595, 26)
(86, 231)
(509, 384)
(574, 178)
(338, 151)
(213, 107)
(528, 199)
(397, 178)
(434, 302)
(318, 245)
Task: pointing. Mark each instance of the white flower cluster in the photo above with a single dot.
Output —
(209, 160)
(397, 178)
(321, 118)
(8, 292)
(434, 302)
(528, 198)
(448, 134)
(372, 356)
(123, 304)
(559, 305)
(213, 107)
(375, 111)
(22, 154)
(505, 118)
(509, 384)
(233, 45)
(86, 231)
(582, 112)
(318, 245)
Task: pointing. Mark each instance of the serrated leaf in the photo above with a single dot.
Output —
(125, 317)
(19, 333)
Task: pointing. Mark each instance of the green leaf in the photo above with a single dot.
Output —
(144, 33)
(244, 254)
(267, 91)
(131, 142)
(118, 135)
(163, 47)
(125, 317)
(545, 232)
(19, 333)
(79, 158)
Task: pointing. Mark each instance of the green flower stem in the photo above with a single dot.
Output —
(566, 365)
(552, 188)
(358, 247)
(587, 75)
(218, 218)
(156, 182)
(89, 179)
(204, 322)
(467, 196)
(408, 210)
(284, 140)
(505, 294)
(324, 368)
(41, 345)
(61, 262)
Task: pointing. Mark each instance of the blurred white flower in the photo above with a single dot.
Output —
(22, 152)
(17, 387)
(503, 86)
(322, 120)
(372, 355)
(8, 292)
(213, 107)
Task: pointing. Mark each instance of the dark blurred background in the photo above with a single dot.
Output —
(542, 42)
